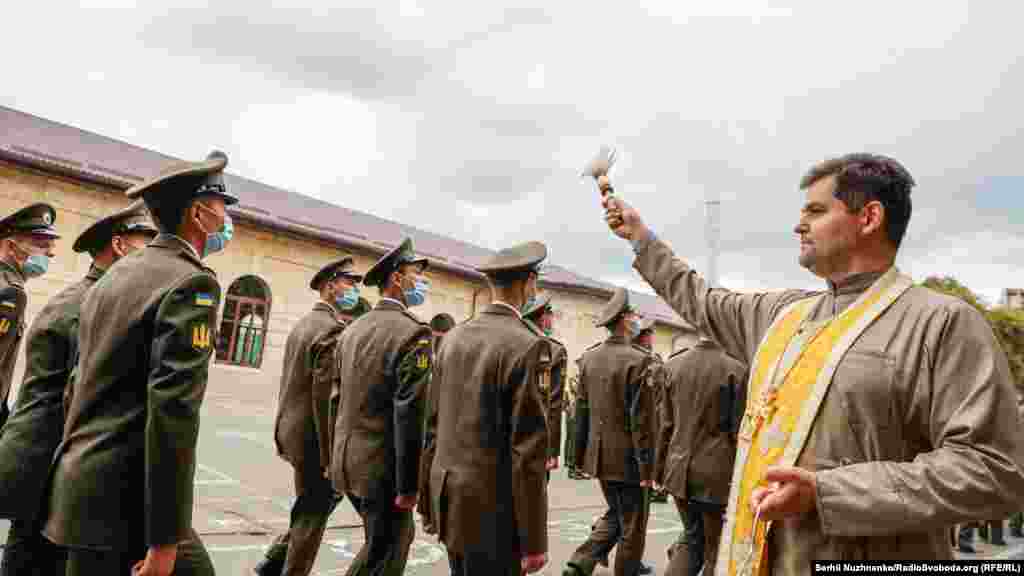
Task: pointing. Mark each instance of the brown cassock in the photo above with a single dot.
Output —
(301, 429)
(703, 396)
(488, 485)
(919, 429)
(13, 301)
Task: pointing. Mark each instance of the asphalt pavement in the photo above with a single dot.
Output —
(244, 494)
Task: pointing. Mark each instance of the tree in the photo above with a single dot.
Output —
(1007, 324)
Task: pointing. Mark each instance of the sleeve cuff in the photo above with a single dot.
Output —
(638, 244)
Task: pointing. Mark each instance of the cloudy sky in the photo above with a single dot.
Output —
(473, 119)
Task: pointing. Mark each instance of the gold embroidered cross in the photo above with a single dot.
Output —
(773, 437)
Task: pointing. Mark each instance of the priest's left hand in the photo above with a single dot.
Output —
(792, 493)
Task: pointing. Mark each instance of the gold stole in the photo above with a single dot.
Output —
(778, 418)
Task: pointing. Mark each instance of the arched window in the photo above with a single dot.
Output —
(243, 327)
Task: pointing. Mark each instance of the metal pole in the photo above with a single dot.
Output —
(712, 206)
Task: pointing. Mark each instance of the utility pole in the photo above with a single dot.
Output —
(712, 234)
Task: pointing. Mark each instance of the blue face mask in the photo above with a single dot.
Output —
(348, 299)
(548, 331)
(36, 265)
(528, 304)
(216, 241)
(634, 326)
(417, 294)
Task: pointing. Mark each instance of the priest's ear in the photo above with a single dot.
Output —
(872, 218)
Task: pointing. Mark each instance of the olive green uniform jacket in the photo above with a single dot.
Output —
(35, 428)
(615, 408)
(12, 325)
(122, 477)
(384, 365)
(703, 395)
(302, 427)
(488, 482)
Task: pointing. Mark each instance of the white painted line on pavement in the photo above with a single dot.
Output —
(236, 548)
(219, 477)
(260, 439)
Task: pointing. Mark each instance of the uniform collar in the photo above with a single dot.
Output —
(499, 307)
(614, 339)
(325, 306)
(7, 268)
(391, 304)
(175, 242)
(95, 272)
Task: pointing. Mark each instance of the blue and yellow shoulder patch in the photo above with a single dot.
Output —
(204, 299)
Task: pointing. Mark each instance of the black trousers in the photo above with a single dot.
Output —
(388, 536)
(192, 560)
(28, 553)
(315, 500)
(626, 527)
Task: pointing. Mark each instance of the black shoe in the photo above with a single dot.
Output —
(269, 567)
(646, 570)
(966, 549)
(999, 543)
(1017, 532)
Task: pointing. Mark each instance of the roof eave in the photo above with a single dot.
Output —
(57, 168)
(341, 240)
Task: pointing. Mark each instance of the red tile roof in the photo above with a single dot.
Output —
(64, 149)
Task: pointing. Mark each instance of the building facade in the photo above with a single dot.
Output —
(266, 269)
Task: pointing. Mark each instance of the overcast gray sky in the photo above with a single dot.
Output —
(473, 119)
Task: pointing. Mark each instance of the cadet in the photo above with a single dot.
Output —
(570, 427)
(121, 487)
(704, 401)
(303, 425)
(645, 339)
(615, 405)
(540, 313)
(384, 365)
(440, 324)
(27, 238)
(34, 430)
(487, 485)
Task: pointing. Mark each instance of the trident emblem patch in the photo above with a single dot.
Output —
(201, 336)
